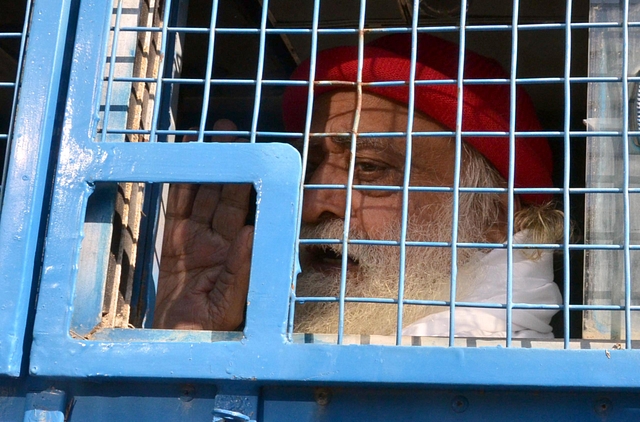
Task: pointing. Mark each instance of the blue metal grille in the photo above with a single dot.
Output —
(113, 103)
(514, 29)
(142, 97)
(136, 97)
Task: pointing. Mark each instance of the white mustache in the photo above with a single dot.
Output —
(334, 230)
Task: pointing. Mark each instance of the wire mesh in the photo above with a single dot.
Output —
(174, 71)
(449, 304)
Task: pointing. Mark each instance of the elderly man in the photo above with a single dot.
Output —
(206, 254)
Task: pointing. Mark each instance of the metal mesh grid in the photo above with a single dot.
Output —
(173, 100)
(456, 186)
(345, 241)
(13, 35)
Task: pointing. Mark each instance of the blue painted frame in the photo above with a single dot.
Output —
(264, 354)
(27, 176)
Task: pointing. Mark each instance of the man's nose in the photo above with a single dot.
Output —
(324, 203)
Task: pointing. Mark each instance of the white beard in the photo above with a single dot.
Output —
(427, 277)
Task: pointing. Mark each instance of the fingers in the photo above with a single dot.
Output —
(230, 215)
(199, 201)
(205, 203)
(221, 125)
(180, 200)
(233, 284)
(231, 212)
(224, 125)
(181, 195)
(239, 259)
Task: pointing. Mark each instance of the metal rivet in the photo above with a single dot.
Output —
(322, 396)
(188, 392)
(603, 406)
(459, 404)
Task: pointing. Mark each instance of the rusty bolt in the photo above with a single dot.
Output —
(322, 396)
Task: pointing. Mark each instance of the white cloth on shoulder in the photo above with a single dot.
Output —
(532, 284)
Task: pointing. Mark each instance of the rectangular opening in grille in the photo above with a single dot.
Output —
(119, 269)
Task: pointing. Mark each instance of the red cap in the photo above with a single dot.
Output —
(486, 106)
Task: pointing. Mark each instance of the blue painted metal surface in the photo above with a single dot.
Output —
(93, 260)
(21, 219)
(46, 406)
(264, 354)
(274, 169)
(261, 373)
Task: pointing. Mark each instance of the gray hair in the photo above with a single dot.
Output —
(544, 222)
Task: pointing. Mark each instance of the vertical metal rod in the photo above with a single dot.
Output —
(260, 71)
(162, 52)
(352, 163)
(625, 172)
(407, 167)
(112, 69)
(456, 174)
(512, 159)
(566, 178)
(209, 68)
(305, 146)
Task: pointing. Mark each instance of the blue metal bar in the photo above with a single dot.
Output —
(474, 245)
(26, 179)
(475, 81)
(260, 71)
(407, 167)
(540, 134)
(305, 152)
(14, 102)
(456, 172)
(161, 67)
(112, 70)
(625, 172)
(389, 30)
(512, 159)
(566, 294)
(480, 305)
(352, 164)
(208, 71)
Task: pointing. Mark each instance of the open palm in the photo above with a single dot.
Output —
(206, 256)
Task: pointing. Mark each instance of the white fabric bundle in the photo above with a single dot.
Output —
(532, 284)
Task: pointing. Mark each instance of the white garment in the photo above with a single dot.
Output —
(532, 284)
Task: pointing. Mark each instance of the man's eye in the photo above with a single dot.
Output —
(368, 167)
(367, 171)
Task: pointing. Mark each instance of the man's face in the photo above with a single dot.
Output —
(378, 161)
(373, 271)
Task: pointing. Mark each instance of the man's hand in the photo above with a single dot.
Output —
(206, 255)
